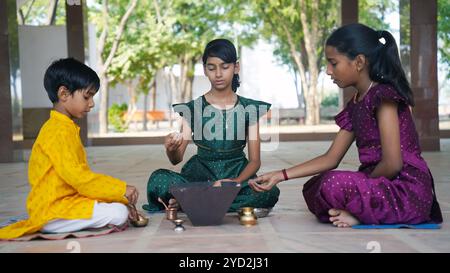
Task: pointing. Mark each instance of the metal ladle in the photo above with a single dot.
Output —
(162, 202)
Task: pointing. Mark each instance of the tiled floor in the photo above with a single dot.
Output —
(289, 228)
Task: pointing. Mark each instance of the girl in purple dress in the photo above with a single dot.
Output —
(393, 184)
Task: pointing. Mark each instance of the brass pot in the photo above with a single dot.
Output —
(171, 214)
(247, 217)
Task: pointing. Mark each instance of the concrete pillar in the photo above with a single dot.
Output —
(10, 87)
(75, 45)
(424, 80)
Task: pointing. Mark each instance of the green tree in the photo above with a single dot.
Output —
(111, 18)
(196, 22)
(373, 12)
(444, 32)
(145, 50)
(298, 30)
(42, 12)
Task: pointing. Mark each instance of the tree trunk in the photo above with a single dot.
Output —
(132, 103)
(175, 88)
(153, 91)
(51, 12)
(144, 118)
(103, 112)
(168, 79)
(187, 66)
(310, 37)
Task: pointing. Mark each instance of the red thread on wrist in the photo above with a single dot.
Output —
(285, 174)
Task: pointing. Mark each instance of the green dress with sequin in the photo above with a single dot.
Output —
(220, 137)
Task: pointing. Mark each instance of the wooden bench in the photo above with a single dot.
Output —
(154, 116)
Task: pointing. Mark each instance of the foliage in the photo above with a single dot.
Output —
(278, 15)
(330, 100)
(35, 12)
(115, 116)
(444, 32)
(373, 12)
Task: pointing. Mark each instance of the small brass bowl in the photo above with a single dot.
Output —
(140, 222)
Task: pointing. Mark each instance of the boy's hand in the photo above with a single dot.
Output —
(132, 213)
(132, 194)
(173, 141)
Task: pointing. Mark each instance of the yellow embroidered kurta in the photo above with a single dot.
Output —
(62, 185)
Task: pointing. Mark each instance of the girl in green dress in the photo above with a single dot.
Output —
(220, 123)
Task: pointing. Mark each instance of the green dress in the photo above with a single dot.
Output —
(220, 137)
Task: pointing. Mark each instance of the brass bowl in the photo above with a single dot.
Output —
(140, 222)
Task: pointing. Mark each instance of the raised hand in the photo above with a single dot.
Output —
(173, 141)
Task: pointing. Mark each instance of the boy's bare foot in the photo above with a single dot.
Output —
(342, 218)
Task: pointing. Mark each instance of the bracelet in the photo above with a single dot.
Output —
(285, 174)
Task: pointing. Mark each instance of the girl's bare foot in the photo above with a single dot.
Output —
(342, 218)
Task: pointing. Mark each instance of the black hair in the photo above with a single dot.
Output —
(384, 60)
(70, 73)
(224, 50)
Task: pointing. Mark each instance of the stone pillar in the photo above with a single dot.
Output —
(75, 45)
(424, 80)
(10, 88)
(349, 15)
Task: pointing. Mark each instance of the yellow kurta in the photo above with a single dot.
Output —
(62, 185)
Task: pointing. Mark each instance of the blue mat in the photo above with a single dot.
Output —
(392, 226)
(13, 220)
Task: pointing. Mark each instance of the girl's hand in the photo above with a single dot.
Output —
(266, 181)
(218, 183)
(173, 141)
(131, 194)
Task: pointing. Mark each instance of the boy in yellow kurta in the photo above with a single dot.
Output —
(66, 196)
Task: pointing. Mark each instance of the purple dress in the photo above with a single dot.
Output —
(408, 198)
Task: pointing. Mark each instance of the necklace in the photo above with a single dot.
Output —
(228, 117)
(356, 94)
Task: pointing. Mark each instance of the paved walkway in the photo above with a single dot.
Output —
(289, 228)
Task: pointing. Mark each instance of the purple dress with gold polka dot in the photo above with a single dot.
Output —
(408, 198)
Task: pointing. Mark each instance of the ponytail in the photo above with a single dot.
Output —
(384, 59)
(385, 66)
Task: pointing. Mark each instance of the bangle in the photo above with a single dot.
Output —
(285, 174)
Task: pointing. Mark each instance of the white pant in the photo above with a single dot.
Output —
(104, 214)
